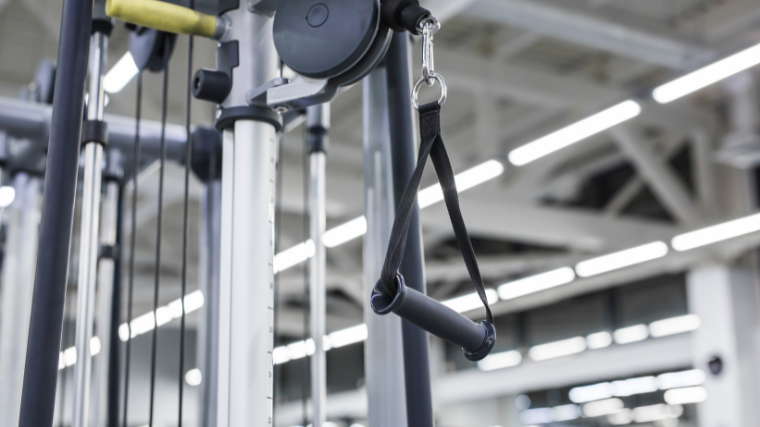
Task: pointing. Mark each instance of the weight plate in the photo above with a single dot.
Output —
(324, 38)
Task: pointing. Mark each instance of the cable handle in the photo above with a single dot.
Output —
(391, 294)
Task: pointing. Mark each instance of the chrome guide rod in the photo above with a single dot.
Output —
(88, 249)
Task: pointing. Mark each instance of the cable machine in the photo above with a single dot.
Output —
(329, 44)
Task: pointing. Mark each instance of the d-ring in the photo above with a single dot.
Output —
(418, 85)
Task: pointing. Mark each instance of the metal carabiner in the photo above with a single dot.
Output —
(428, 27)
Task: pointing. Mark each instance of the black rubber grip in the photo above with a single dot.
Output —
(476, 339)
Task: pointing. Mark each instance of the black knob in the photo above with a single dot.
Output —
(210, 85)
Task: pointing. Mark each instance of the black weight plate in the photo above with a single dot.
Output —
(324, 38)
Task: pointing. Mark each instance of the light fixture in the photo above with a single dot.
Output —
(599, 340)
(122, 73)
(164, 314)
(537, 416)
(557, 349)
(471, 301)
(7, 196)
(464, 180)
(95, 346)
(536, 283)
(674, 325)
(683, 396)
(708, 75)
(648, 414)
(716, 233)
(293, 256)
(602, 407)
(631, 334)
(193, 377)
(591, 393)
(633, 386)
(502, 360)
(620, 418)
(576, 132)
(522, 402)
(357, 227)
(566, 412)
(681, 379)
(621, 259)
(345, 232)
(348, 336)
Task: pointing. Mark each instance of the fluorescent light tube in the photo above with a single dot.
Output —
(7, 196)
(674, 325)
(648, 414)
(576, 132)
(716, 233)
(566, 412)
(95, 346)
(602, 407)
(345, 232)
(293, 256)
(471, 301)
(348, 336)
(502, 360)
(556, 349)
(681, 379)
(193, 377)
(633, 386)
(708, 75)
(591, 393)
(122, 72)
(464, 180)
(623, 417)
(622, 259)
(631, 334)
(537, 416)
(536, 283)
(599, 340)
(683, 396)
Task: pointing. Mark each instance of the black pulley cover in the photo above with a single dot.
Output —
(148, 48)
(324, 38)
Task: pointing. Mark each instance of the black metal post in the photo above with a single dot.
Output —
(38, 398)
(113, 352)
(416, 360)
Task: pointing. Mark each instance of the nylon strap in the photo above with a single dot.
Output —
(431, 145)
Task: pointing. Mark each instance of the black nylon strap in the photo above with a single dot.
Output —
(431, 145)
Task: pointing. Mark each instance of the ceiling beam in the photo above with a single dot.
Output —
(590, 29)
(489, 214)
(659, 176)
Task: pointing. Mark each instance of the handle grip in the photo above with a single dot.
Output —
(167, 17)
(476, 339)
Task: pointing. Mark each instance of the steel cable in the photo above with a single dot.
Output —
(132, 239)
(159, 223)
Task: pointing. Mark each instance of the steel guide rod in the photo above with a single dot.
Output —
(41, 368)
(317, 124)
(88, 241)
(106, 278)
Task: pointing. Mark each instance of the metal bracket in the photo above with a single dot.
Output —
(298, 93)
(265, 7)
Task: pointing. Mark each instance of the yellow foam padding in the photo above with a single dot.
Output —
(162, 16)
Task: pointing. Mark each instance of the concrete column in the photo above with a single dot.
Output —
(726, 301)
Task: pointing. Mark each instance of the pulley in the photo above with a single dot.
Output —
(148, 48)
